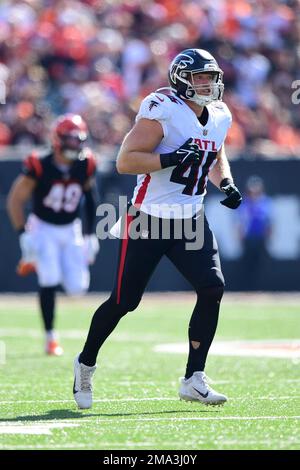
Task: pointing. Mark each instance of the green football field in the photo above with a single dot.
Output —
(255, 362)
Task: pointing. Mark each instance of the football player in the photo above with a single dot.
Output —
(51, 240)
(176, 144)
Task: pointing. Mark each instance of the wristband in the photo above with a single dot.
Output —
(225, 182)
(168, 159)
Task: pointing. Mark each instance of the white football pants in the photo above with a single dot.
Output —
(60, 255)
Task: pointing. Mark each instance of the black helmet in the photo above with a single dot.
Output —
(189, 62)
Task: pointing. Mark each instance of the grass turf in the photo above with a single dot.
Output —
(135, 389)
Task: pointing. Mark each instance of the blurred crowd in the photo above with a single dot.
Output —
(99, 58)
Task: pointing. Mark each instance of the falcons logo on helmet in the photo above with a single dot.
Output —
(179, 63)
(184, 61)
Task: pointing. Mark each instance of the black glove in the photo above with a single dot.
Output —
(188, 150)
(234, 197)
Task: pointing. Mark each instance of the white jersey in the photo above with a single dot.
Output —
(178, 192)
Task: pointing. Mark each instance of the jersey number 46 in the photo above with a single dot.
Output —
(198, 171)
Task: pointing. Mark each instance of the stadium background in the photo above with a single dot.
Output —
(100, 58)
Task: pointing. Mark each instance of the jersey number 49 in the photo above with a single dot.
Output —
(63, 198)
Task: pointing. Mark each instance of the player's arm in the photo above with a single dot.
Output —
(19, 194)
(136, 155)
(221, 169)
(220, 175)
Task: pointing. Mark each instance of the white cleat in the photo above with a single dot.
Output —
(82, 388)
(196, 388)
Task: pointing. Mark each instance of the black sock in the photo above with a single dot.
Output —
(47, 304)
(202, 327)
(104, 321)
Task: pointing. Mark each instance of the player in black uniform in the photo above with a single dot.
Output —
(51, 241)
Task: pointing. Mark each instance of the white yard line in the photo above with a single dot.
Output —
(153, 444)
(94, 299)
(27, 333)
(190, 418)
(102, 400)
(166, 418)
(40, 427)
(272, 348)
(45, 427)
(121, 400)
(102, 446)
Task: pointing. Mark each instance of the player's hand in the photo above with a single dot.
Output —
(28, 249)
(92, 247)
(189, 151)
(234, 197)
(24, 268)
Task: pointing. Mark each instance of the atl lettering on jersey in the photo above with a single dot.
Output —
(184, 185)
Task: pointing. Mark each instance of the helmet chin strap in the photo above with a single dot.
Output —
(196, 100)
(202, 100)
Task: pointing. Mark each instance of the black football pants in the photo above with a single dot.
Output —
(137, 261)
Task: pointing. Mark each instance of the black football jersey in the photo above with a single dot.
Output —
(57, 195)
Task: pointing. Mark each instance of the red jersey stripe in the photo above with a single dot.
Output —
(142, 191)
(123, 254)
